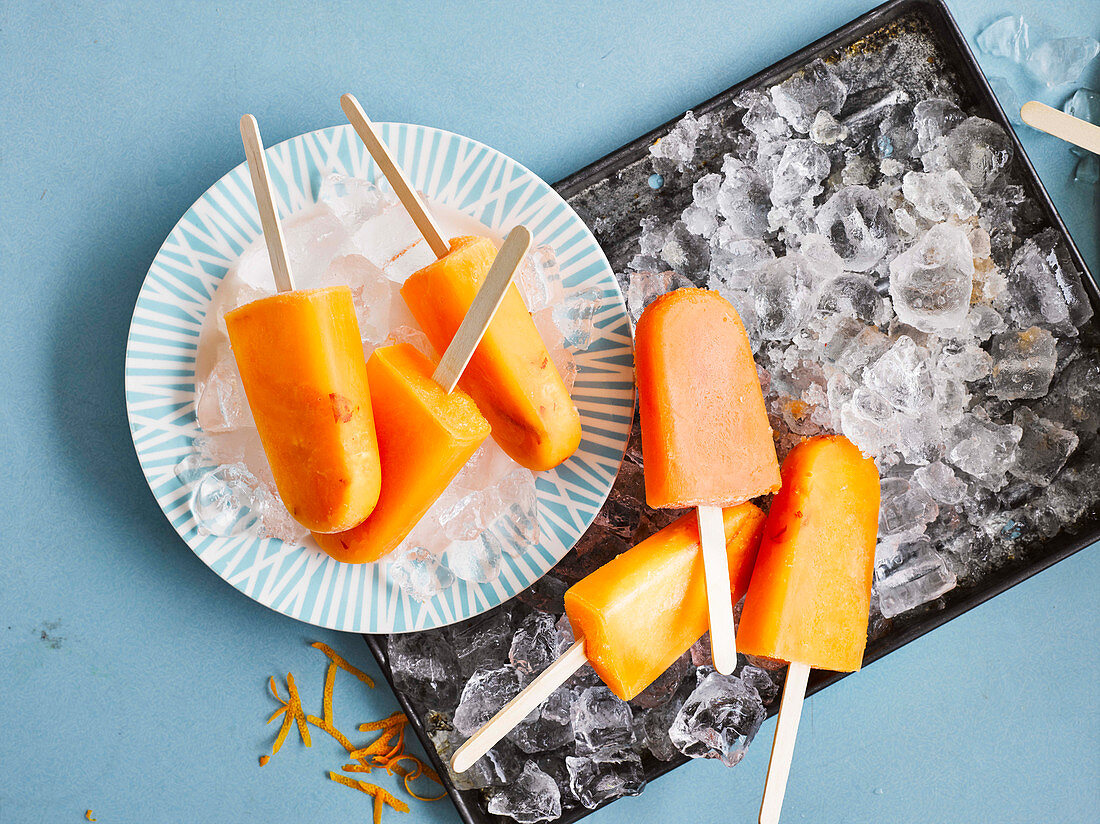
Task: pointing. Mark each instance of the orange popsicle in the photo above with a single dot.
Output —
(633, 617)
(811, 588)
(425, 436)
(301, 364)
(511, 376)
(705, 435)
(641, 611)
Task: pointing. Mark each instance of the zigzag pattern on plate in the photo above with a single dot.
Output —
(303, 582)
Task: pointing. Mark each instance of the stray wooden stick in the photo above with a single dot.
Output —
(1065, 126)
(716, 572)
(786, 730)
(265, 202)
(519, 707)
(481, 312)
(418, 211)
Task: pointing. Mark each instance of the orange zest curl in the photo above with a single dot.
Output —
(339, 661)
(380, 796)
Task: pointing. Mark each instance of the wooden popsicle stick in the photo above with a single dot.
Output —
(265, 202)
(716, 571)
(519, 707)
(481, 311)
(786, 730)
(416, 208)
(1065, 126)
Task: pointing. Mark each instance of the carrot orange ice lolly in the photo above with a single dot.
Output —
(425, 436)
(705, 435)
(301, 364)
(511, 376)
(811, 589)
(634, 616)
(640, 611)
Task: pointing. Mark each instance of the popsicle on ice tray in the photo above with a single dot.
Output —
(706, 441)
(810, 593)
(301, 365)
(511, 376)
(634, 616)
(427, 430)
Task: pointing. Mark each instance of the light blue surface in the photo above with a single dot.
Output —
(149, 703)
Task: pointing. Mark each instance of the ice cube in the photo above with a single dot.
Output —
(547, 727)
(761, 117)
(497, 768)
(801, 169)
(478, 559)
(221, 405)
(517, 500)
(800, 97)
(418, 572)
(1006, 37)
(983, 321)
(674, 151)
(933, 119)
(645, 287)
(483, 696)
(539, 279)
(931, 282)
(424, 667)
(978, 149)
(1045, 446)
(719, 719)
(1084, 104)
(734, 261)
(905, 508)
(412, 336)
(1087, 170)
(1044, 287)
(274, 519)
(902, 377)
(1062, 60)
(353, 199)
(743, 199)
(223, 504)
(852, 295)
(938, 196)
(915, 574)
(700, 221)
(984, 449)
(482, 641)
(384, 236)
(761, 681)
(704, 192)
(597, 779)
(826, 130)
(1007, 97)
(534, 645)
(602, 722)
(781, 297)
(940, 481)
(1023, 363)
(533, 796)
(651, 727)
(858, 223)
(575, 317)
(313, 238)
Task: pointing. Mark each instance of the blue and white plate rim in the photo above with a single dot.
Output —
(301, 582)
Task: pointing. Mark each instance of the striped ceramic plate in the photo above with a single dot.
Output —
(301, 581)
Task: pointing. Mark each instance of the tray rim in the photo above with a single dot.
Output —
(941, 18)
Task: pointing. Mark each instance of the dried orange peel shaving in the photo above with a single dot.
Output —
(386, 751)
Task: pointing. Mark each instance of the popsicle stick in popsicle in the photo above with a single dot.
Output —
(265, 202)
(723, 643)
(629, 626)
(480, 314)
(786, 731)
(416, 208)
(1065, 126)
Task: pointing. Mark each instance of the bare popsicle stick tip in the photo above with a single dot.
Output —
(265, 203)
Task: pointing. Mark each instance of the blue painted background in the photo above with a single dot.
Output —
(134, 679)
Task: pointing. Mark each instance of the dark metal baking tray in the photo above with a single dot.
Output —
(612, 195)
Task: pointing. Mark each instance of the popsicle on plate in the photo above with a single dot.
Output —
(425, 436)
(706, 439)
(810, 592)
(301, 364)
(634, 616)
(427, 429)
(511, 376)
